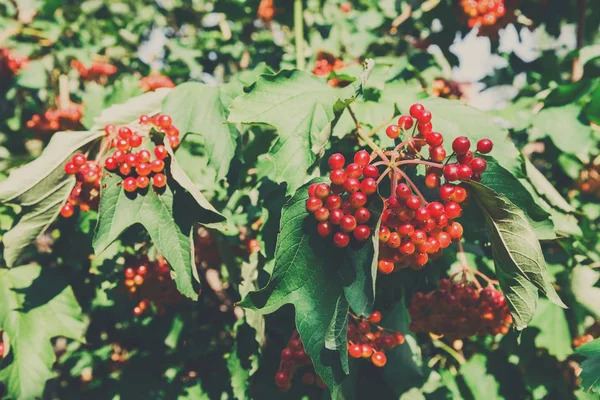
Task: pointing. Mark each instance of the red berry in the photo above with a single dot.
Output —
(111, 164)
(322, 190)
(159, 180)
(385, 266)
(282, 378)
(403, 191)
(354, 170)
(392, 131)
(355, 351)
(144, 119)
(341, 239)
(70, 168)
(368, 350)
(174, 141)
(434, 139)
(425, 128)
(453, 210)
(348, 223)
(333, 202)
(160, 152)
(129, 184)
(424, 117)
(421, 214)
(375, 317)
(407, 248)
(420, 259)
(164, 121)
(378, 359)
(143, 169)
(394, 240)
(465, 158)
(322, 214)
(324, 228)
(435, 209)
(362, 215)
(455, 230)
(125, 132)
(313, 204)
(137, 311)
(368, 186)
(351, 185)
(142, 182)
(119, 156)
(432, 181)
(444, 239)
(371, 171)
(110, 130)
(337, 176)
(405, 122)
(144, 156)
(415, 110)
(157, 165)
(437, 154)
(418, 237)
(384, 234)
(362, 158)
(451, 172)
(484, 146)
(67, 210)
(362, 233)
(461, 145)
(358, 199)
(135, 140)
(79, 159)
(336, 161)
(464, 172)
(335, 216)
(122, 144)
(406, 230)
(446, 191)
(413, 202)
(478, 165)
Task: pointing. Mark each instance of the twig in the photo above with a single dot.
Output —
(455, 354)
(411, 183)
(366, 138)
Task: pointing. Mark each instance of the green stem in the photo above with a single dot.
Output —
(299, 33)
(455, 354)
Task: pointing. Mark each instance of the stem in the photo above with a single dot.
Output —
(394, 182)
(366, 138)
(103, 147)
(380, 126)
(299, 34)
(412, 184)
(428, 163)
(466, 269)
(456, 355)
(577, 68)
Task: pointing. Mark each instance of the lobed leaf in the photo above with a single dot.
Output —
(590, 368)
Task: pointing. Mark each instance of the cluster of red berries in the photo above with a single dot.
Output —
(325, 64)
(137, 168)
(446, 89)
(86, 193)
(414, 231)
(266, 10)
(460, 309)
(366, 339)
(95, 72)
(483, 12)
(155, 81)
(61, 119)
(149, 283)
(341, 208)
(591, 333)
(293, 357)
(11, 61)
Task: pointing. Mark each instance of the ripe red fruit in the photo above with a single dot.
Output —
(362, 233)
(333, 202)
(174, 141)
(367, 350)
(418, 237)
(129, 184)
(79, 159)
(110, 163)
(446, 192)
(434, 139)
(406, 230)
(484, 146)
(413, 202)
(362, 215)
(336, 161)
(394, 240)
(432, 181)
(71, 168)
(354, 170)
(157, 165)
(437, 154)
(119, 155)
(164, 121)
(455, 230)
(465, 158)
(420, 259)
(403, 191)
(358, 199)
(421, 214)
(144, 119)
(324, 228)
(478, 165)
(335, 216)
(464, 172)
(355, 351)
(142, 182)
(435, 209)
(137, 311)
(385, 266)
(124, 169)
(341, 239)
(313, 204)
(322, 214)
(282, 378)
(135, 140)
(322, 190)
(384, 234)
(444, 239)
(144, 156)
(392, 131)
(407, 248)
(337, 176)
(424, 117)
(125, 132)
(405, 122)
(425, 128)
(451, 172)
(67, 210)
(160, 152)
(461, 145)
(371, 171)
(351, 185)
(378, 359)
(348, 223)
(415, 110)
(159, 180)
(453, 210)
(375, 317)
(143, 169)
(362, 158)
(368, 186)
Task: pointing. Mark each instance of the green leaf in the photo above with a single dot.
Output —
(583, 281)
(592, 109)
(590, 368)
(562, 126)
(40, 188)
(202, 110)
(300, 107)
(520, 264)
(553, 328)
(543, 186)
(93, 100)
(35, 76)
(336, 336)
(242, 363)
(36, 305)
(249, 276)
(306, 275)
(168, 216)
(502, 181)
(481, 384)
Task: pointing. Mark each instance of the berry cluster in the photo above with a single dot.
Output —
(460, 309)
(97, 71)
(86, 193)
(413, 231)
(327, 63)
(60, 119)
(11, 61)
(446, 89)
(149, 283)
(155, 81)
(589, 178)
(293, 357)
(366, 339)
(341, 208)
(591, 333)
(137, 167)
(483, 12)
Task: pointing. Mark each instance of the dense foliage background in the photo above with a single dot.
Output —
(262, 93)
